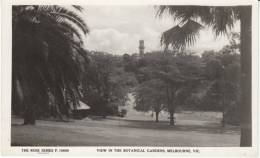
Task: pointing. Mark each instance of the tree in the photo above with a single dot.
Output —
(220, 19)
(175, 74)
(150, 96)
(47, 57)
(130, 63)
(222, 71)
(181, 80)
(106, 84)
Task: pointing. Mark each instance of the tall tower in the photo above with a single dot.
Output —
(141, 48)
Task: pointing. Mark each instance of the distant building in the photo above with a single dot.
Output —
(81, 110)
(141, 48)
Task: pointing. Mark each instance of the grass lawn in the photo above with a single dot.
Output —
(192, 129)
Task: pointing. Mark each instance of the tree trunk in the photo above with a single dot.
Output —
(156, 116)
(170, 105)
(29, 115)
(172, 123)
(223, 119)
(223, 108)
(104, 112)
(223, 97)
(245, 104)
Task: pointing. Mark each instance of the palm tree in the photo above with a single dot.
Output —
(47, 59)
(191, 20)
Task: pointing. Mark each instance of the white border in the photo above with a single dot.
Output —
(83, 151)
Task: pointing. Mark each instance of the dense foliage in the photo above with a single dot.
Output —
(47, 47)
(184, 81)
(106, 83)
(191, 19)
(47, 54)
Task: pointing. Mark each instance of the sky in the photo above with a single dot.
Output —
(118, 29)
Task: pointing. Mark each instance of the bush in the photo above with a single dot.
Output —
(122, 113)
(232, 115)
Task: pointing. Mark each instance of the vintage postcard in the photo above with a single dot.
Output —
(130, 78)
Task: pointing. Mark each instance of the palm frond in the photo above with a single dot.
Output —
(77, 7)
(191, 31)
(180, 37)
(223, 20)
(58, 11)
(60, 25)
(220, 19)
(184, 13)
(169, 36)
(57, 30)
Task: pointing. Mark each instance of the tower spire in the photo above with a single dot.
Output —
(141, 48)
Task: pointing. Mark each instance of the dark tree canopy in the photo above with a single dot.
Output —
(47, 52)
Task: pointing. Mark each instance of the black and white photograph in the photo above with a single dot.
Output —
(159, 75)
